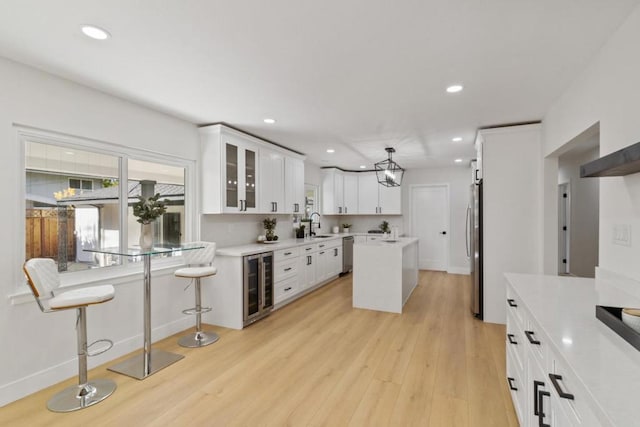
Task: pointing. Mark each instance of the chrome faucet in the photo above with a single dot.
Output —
(311, 232)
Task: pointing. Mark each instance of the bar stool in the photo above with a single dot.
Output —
(43, 278)
(199, 263)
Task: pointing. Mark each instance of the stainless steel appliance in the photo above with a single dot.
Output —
(258, 286)
(347, 254)
(474, 248)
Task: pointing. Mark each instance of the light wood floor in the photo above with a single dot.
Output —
(319, 362)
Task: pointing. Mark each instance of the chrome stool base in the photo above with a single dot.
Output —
(81, 396)
(198, 339)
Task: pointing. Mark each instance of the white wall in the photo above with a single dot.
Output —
(606, 92)
(40, 349)
(584, 213)
(512, 210)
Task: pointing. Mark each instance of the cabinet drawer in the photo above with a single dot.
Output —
(516, 341)
(285, 269)
(330, 244)
(517, 387)
(535, 341)
(515, 307)
(284, 254)
(570, 395)
(306, 249)
(286, 289)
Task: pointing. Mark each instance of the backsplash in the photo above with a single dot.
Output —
(241, 229)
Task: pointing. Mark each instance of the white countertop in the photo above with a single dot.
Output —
(608, 366)
(256, 248)
(390, 243)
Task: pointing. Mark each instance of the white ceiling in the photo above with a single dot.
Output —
(354, 75)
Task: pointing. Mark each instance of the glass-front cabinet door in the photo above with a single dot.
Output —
(240, 172)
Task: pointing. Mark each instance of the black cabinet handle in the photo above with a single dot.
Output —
(511, 386)
(287, 253)
(443, 232)
(276, 203)
(296, 207)
(536, 384)
(308, 249)
(335, 251)
(554, 380)
(511, 337)
(321, 246)
(287, 269)
(532, 340)
(287, 289)
(541, 394)
(477, 175)
(512, 303)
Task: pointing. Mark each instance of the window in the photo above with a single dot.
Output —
(74, 200)
(81, 184)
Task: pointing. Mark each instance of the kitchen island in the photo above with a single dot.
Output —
(385, 272)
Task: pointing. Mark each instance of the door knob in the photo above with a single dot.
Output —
(443, 232)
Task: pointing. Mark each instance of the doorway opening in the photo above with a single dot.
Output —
(578, 207)
(430, 224)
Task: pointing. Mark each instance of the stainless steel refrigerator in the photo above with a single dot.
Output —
(474, 247)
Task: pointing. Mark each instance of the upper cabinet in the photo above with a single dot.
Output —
(339, 192)
(272, 181)
(358, 193)
(478, 168)
(374, 198)
(294, 185)
(243, 174)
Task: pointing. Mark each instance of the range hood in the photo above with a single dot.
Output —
(620, 163)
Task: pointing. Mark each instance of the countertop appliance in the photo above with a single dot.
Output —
(258, 286)
(347, 254)
(474, 248)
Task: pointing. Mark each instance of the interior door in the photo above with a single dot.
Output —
(430, 224)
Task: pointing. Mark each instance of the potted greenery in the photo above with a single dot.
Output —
(148, 210)
(384, 226)
(269, 225)
(346, 227)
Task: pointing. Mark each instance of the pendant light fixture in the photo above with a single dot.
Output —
(388, 172)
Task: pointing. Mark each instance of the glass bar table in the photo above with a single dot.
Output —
(150, 361)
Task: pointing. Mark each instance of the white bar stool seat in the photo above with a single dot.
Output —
(200, 264)
(42, 276)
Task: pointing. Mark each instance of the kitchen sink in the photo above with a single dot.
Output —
(322, 236)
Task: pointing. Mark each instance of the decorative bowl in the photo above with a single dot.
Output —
(631, 318)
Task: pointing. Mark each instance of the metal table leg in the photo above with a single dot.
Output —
(150, 361)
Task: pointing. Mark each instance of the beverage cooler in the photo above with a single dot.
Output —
(258, 286)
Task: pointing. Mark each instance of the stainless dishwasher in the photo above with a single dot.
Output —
(347, 255)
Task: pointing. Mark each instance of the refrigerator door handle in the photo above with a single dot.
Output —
(466, 234)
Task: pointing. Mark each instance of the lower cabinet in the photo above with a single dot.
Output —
(544, 391)
(301, 268)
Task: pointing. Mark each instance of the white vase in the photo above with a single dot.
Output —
(146, 237)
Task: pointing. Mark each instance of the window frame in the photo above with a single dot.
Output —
(114, 274)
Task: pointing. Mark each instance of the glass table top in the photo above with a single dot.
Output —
(153, 251)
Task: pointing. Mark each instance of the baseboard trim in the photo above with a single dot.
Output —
(459, 270)
(37, 381)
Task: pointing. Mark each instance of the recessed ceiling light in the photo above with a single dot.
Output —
(457, 139)
(458, 160)
(455, 88)
(71, 153)
(94, 32)
(363, 166)
(270, 121)
(331, 150)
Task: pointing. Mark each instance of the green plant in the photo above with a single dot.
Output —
(384, 226)
(269, 223)
(148, 210)
(346, 225)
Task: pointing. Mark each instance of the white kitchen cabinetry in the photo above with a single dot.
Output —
(243, 174)
(350, 193)
(374, 198)
(543, 390)
(294, 185)
(307, 266)
(272, 181)
(332, 191)
(229, 171)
